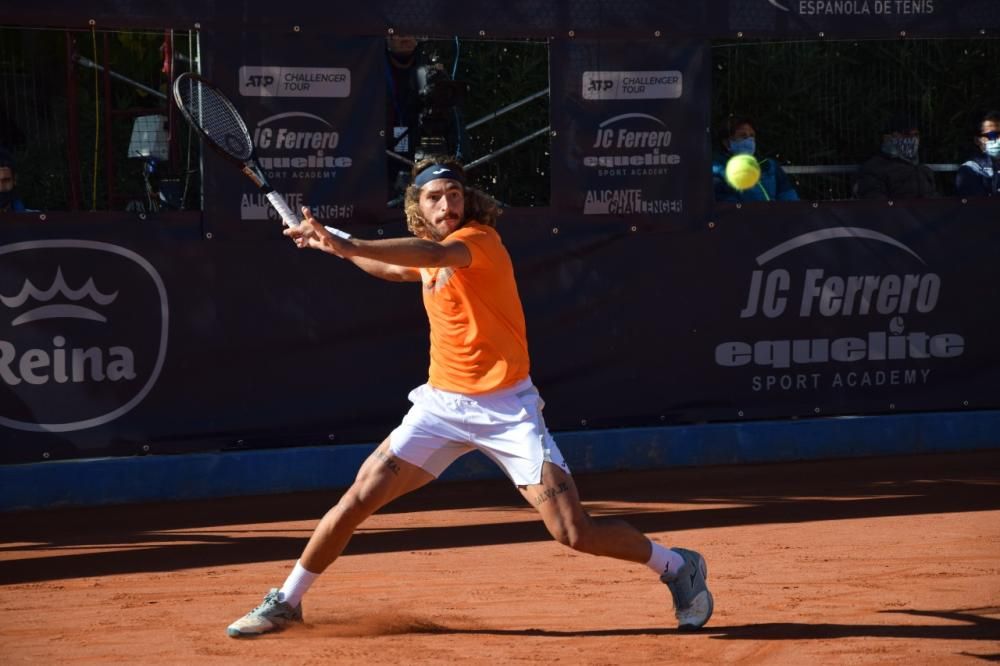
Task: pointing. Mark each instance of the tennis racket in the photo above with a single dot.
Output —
(210, 112)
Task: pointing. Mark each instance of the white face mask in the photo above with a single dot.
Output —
(992, 148)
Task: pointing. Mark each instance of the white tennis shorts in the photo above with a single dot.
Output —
(506, 425)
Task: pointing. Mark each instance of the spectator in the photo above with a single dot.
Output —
(896, 172)
(980, 176)
(9, 201)
(737, 136)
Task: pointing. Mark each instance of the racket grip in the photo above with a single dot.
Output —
(287, 216)
(291, 219)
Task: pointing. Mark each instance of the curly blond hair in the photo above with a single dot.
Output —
(479, 206)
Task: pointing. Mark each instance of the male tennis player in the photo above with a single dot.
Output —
(478, 396)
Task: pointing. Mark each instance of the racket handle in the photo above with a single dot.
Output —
(287, 216)
(291, 219)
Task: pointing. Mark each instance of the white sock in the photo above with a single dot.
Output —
(664, 561)
(296, 585)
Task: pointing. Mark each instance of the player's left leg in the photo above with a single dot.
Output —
(683, 571)
(382, 478)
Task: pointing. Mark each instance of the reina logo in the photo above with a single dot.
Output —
(83, 333)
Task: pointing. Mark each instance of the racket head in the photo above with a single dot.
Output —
(210, 112)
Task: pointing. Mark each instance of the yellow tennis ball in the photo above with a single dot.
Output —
(742, 172)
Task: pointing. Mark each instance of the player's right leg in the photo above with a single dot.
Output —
(382, 478)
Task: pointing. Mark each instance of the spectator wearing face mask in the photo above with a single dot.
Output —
(980, 176)
(896, 172)
(737, 136)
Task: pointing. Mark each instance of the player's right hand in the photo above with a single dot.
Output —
(311, 234)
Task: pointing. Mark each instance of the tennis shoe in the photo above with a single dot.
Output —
(693, 603)
(271, 615)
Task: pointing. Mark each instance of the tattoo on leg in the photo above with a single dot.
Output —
(389, 462)
(549, 493)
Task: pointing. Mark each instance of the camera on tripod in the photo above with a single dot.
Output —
(438, 122)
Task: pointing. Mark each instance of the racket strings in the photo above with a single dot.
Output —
(216, 117)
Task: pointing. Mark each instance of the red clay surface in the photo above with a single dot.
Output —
(877, 561)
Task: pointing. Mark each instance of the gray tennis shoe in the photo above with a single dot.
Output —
(271, 615)
(693, 603)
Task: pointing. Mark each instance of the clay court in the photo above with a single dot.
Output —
(874, 561)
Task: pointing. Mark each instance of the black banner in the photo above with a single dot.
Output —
(308, 104)
(623, 19)
(834, 19)
(630, 129)
(125, 343)
(646, 304)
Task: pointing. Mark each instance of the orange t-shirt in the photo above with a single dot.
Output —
(478, 340)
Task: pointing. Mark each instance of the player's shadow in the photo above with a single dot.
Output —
(50, 545)
(970, 624)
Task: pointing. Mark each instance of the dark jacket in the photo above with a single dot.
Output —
(979, 177)
(884, 177)
(774, 183)
(16, 206)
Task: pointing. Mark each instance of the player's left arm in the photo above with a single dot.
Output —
(404, 252)
(395, 259)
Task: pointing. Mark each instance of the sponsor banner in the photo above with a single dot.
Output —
(300, 99)
(631, 19)
(844, 18)
(630, 140)
(164, 345)
(838, 322)
(777, 312)
(295, 81)
(83, 333)
(848, 312)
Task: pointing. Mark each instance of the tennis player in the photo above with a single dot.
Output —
(478, 396)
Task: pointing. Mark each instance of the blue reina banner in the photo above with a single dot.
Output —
(307, 103)
(629, 122)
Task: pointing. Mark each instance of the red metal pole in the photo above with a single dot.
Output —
(73, 128)
(168, 70)
(109, 162)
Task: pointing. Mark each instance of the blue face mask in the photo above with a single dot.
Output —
(745, 146)
(992, 148)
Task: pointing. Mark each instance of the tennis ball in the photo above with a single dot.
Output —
(742, 172)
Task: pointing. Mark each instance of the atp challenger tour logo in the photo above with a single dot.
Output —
(660, 84)
(83, 333)
(300, 147)
(275, 81)
(881, 349)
